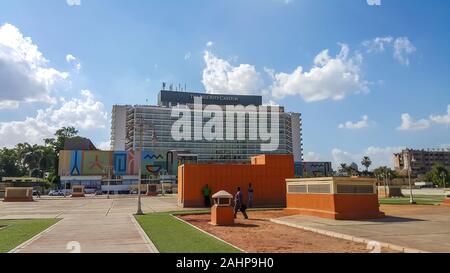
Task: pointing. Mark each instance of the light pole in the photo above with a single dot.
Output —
(108, 171)
(444, 176)
(109, 181)
(410, 161)
(154, 139)
(141, 133)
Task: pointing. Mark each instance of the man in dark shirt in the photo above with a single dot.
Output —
(238, 204)
(250, 195)
(206, 195)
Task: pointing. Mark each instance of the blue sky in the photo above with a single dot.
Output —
(368, 79)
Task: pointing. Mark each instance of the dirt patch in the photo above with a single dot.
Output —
(259, 235)
(411, 210)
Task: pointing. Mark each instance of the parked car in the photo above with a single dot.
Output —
(56, 193)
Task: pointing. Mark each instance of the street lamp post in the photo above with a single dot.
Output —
(141, 133)
(383, 176)
(444, 176)
(109, 180)
(411, 197)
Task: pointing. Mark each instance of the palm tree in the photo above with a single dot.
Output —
(366, 162)
(344, 169)
(33, 159)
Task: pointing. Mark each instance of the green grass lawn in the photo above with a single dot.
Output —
(17, 232)
(173, 236)
(420, 200)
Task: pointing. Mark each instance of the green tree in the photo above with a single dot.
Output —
(32, 159)
(56, 145)
(366, 162)
(61, 136)
(435, 175)
(383, 171)
(348, 170)
(10, 163)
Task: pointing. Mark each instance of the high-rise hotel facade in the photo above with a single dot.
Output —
(150, 128)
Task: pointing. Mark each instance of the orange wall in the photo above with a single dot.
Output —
(336, 206)
(267, 173)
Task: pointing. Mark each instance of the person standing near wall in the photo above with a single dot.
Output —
(238, 204)
(207, 195)
(250, 195)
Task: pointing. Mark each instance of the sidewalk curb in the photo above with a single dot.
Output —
(34, 238)
(349, 237)
(207, 233)
(151, 246)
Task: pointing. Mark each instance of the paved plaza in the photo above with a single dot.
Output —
(103, 225)
(423, 228)
(99, 225)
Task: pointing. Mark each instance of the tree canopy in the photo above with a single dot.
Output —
(35, 160)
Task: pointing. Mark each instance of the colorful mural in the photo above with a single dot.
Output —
(153, 162)
(85, 163)
(96, 162)
(75, 163)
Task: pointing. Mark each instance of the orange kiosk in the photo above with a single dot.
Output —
(340, 198)
(222, 213)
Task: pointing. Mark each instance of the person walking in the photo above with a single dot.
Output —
(238, 204)
(207, 196)
(250, 195)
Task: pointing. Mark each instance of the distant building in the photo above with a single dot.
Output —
(422, 160)
(127, 120)
(79, 143)
(118, 171)
(313, 169)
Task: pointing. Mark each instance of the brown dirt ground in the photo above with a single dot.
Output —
(410, 210)
(259, 235)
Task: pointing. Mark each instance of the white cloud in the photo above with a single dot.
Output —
(73, 2)
(312, 157)
(9, 104)
(402, 48)
(363, 123)
(442, 119)
(219, 76)
(374, 2)
(408, 124)
(380, 156)
(104, 145)
(83, 113)
(24, 72)
(340, 156)
(187, 56)
(330, 78)
(378, 44)
(74, 61)
(209, 44)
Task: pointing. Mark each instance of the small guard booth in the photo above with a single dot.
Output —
(222, 213)
(339, 198)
